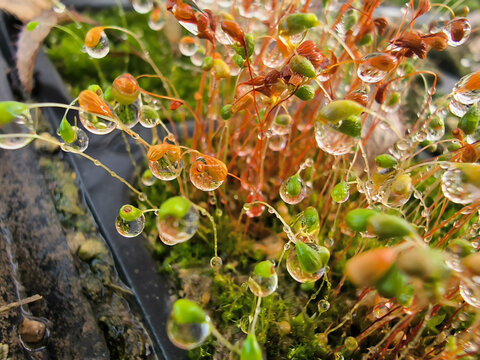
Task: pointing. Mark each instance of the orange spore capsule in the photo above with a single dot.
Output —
(216, 168)
(93, 36)
(384, 62)
(91, 102)
(156, 152)
(473, 82)
(233, 30)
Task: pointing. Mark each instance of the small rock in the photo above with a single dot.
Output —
(91, 249)
(31, 331)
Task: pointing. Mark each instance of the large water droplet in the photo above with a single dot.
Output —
(295, 270)
(22, 124)
(96, 125)
(456, 189)
(187, 336)
(80, 144)
(165, 169)
(263, 286)
(467, 90)
(142, 6)
(188, 45)
(457, 31)
(332, 141)
(272, 57)
(101, 49)
(369, 73)
(130, 228)
(173, 230)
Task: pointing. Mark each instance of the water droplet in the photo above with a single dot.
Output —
(188, 45)
(457, 30)
(470, 293)
(282, 125)
(130, 228)
(101, 49)
(22, 124)
(457, 108)
(295, 270)
(456, 189)
(166, 168)
(142, 6)
(95, 124)
(58, 7)
(257, 209)
(323, 305)
(369, 73)
(272, 57)
(221, 37)
(80, 144)
(147, 178)
(263, 286)
(191, 26)
(173, 230)
(216, 262)
(277, 142)
(197, 58)
(271, 210)
(381, 309)
(287, 246)
(332, 141)
(149, 117)
(466, 91)
(187, 336)
(156, 20)
(292, 190)
(207, 173)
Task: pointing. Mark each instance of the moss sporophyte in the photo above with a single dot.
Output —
(322, 123)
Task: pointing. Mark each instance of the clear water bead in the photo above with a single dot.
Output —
(173, 230)
(80, 144)
(332, 141)
(22, 124)
(101, 49)
(187, 336)
(130, 228)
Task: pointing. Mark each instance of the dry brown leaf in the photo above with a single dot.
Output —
(25, 10)
(29, 43)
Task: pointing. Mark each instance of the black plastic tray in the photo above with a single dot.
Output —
(105, 195)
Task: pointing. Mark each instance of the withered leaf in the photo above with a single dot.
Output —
(25, 10)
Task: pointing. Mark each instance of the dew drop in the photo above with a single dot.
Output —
(130, 228)
(101, 49)
(22, 124)
(173, 230)
(188, 45)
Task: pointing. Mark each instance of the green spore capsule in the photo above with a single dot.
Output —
(226, 112)
(351, 126)
(9, 110)
(130, 221)
(238, 60)
(305, 92)
(292, 190)
(264, 280)
(250, 44)
(357, 219)
(251, 349)
(297, 23)
(339, 110)
(386, 161)
(301, 65)
(340, 192)
(32, 25)
(392, 283)
(311, 260)
(96, 89)
(130, 212)
(424, 263)
(312, 220)
(188, 326)
(176, 206)
(207, 63)
(187, 312)
(67, 132)
(264, 269)
(388, 226)
(469, 122)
